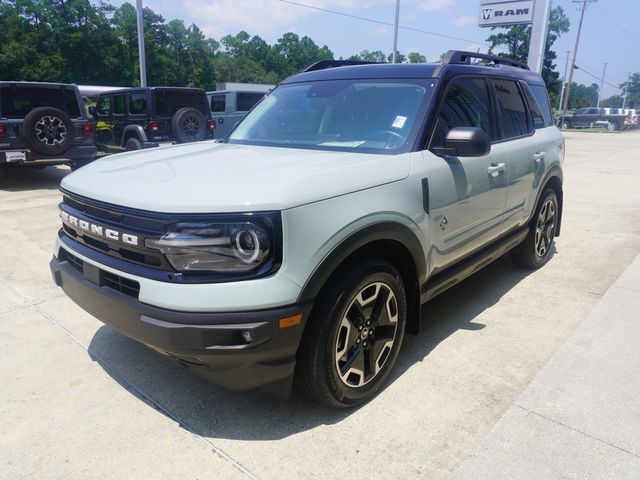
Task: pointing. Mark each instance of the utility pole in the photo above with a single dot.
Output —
(604, 69)
(564, 81)
(395, 32)
(575, 51)
(626, 90)
(141, 54)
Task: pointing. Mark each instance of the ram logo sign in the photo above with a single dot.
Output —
(493, 14)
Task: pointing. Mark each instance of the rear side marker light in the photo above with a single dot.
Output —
(289, 322)
(3, 131)
(87, 129)
(212, 124)
(154, 126)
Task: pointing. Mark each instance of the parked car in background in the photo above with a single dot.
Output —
(43, 124)
(135, 118)
(632, 118)
(593, 117)
(232, 101)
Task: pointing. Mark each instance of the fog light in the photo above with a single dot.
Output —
(247, 336)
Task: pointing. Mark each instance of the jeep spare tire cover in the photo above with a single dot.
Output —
(189, 125)
(48, 130)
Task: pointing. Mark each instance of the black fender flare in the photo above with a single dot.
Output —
(138, 131)
(554, 172)
(383, 231)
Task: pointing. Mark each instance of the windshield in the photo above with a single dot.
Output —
(369, 116)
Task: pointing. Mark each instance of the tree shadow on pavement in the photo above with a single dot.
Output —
(31, 178)
(212, 412)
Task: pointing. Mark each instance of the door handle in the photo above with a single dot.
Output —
(495, 168)
(538, 156)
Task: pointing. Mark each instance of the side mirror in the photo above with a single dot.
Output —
(465, 142)
(92, 111)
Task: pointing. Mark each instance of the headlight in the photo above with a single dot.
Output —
(225, 248)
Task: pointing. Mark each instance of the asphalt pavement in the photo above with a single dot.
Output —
(516, 374)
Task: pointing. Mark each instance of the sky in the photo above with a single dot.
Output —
(610, 32)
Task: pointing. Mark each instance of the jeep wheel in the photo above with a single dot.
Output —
(537, 246)
(133, 144)
(354, 335)
(48, 130)
(189, 125)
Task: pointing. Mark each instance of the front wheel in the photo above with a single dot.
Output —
(354, 335)
(537, 246)
(564, 125)
(613, 127)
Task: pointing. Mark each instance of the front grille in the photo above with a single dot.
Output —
(105, 279)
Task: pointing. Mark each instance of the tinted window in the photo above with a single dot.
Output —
(592, 111)
(118, 104)
(18, 101)
(245, 101)
(542, 99)
(513, 114)
(582, 111)
(104, 105)
(169, 102)
(137, 103)
(465, 105)
(218, 103)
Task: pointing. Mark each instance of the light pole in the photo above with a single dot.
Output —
(604, 69)
(141, 54)
(395, 32)
(564, 81)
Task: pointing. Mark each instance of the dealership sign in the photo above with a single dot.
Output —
(493, 14)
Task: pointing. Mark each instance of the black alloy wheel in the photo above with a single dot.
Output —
(48, 130)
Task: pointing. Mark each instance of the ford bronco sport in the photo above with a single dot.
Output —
(43, 124)
(136, 118)
(304, 246)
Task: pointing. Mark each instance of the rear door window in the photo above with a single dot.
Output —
(118, 104)
(514, 121)
(137, 103)
(104, 105)
(246, 100)
(19, 101)
(218, 103)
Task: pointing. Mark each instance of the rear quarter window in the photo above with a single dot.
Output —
(18, 101)
(245, 101)
(542, 100)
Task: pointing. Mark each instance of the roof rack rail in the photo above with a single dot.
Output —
(457, 57)
(323, 64)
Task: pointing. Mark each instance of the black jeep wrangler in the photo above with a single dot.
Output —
(136, 118)
(43, 124)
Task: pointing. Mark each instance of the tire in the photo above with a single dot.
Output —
(537, 247)
(564, 125)
(346, 354)
(189, 125)
(133, 144)
(48, 130)
(613, 127)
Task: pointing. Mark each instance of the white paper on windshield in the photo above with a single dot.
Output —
(353, 144)
(399, 122)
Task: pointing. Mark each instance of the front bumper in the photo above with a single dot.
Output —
(213, 345)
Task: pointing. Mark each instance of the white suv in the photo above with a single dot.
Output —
(304, 246)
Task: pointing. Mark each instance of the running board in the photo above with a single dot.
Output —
(454, 275)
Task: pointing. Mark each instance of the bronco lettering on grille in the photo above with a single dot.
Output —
(99, 230)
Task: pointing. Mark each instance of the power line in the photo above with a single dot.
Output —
(595, 76)
(380, 22)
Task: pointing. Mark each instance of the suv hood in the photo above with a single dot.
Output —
(215, 177)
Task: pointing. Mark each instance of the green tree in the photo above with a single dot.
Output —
(632, 88)
(583, 95)
(415, 57)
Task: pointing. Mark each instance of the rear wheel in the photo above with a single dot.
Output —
(564, 125)
(612, 127)
(537, 246)
(354, 335)
(133, 144)
(48, 130)
(189, 125)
